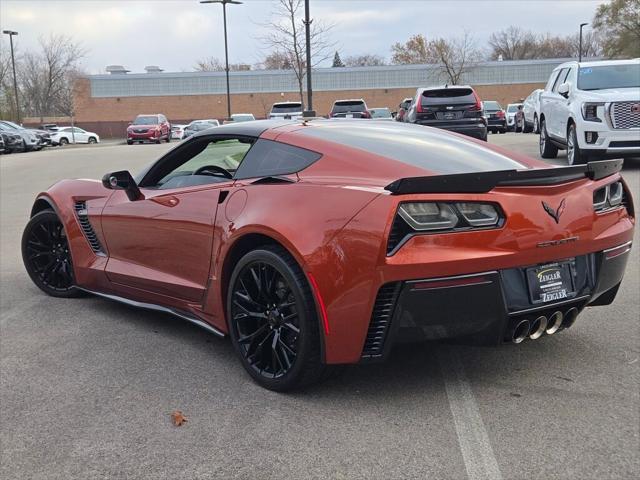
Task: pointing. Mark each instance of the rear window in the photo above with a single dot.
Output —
(287, 108)
(513, 107)
(448, 95)
(146, 120)
(492, 106)
(348, 106)
(421, 147)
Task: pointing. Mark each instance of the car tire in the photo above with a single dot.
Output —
(92, 140)
(528, 128)
(547, 149)
(503, 130)
(129, 142)
(47, 256)
(64, 141)
(257, 313)
(536, 125)
(575, 156)
(168, 139)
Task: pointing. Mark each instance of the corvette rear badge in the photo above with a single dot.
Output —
(555, 214)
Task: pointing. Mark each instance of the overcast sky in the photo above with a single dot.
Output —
(174, 34)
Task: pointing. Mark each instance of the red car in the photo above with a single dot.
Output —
(325, 242)
(149, 128)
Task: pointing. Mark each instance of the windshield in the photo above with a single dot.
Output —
(13, 125)
(146, 120)
(609, 76)
(513, 107)
(445, 96)
(287, 108)
(490, 105)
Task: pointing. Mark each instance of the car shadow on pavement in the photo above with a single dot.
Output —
(409, 369)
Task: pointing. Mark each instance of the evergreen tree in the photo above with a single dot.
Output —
(337, 61)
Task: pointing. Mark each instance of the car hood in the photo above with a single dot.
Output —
(611, 94)
(144, 126)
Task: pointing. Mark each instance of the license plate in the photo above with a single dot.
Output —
(349, 115)
(552, 282)
(449, 115)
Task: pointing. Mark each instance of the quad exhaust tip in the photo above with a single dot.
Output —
(521, 331)
(538, 327)
(570, 317)
(555, 322)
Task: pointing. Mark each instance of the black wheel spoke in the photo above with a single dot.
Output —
(46, 253)
(265, 319)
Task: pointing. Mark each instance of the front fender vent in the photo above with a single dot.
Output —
(380, 320)
(87, 229)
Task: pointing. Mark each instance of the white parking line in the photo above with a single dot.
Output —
(479, 460)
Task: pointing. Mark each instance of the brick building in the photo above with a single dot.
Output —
(106, 103)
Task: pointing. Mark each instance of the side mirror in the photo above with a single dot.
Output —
(122, 180)
(564, 89)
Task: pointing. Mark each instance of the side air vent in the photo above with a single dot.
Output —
(399, 230)
(380, 320)
(89, 233)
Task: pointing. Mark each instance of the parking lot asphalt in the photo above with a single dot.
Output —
(88, 386)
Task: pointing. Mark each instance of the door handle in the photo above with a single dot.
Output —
(169, 201)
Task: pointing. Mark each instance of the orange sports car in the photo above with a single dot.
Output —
(325, 242)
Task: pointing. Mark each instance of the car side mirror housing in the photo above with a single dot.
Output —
(564, 89)
(122, 180)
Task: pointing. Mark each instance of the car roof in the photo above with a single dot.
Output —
(442, 87)
(287, 103)
(250, 129)
(599, 63)
(349, 100)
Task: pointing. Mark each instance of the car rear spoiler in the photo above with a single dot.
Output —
(482, 182)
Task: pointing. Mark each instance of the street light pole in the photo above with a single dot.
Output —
(307, 24)
(580, 45)
(226, 48)
(11, 33)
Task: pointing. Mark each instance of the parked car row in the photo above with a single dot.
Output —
(155, 128)
(16, 138)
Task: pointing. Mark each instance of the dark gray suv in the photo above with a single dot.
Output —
(456, 108)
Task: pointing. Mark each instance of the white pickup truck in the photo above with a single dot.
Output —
(591, 109)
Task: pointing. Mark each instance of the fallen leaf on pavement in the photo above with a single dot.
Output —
(178, 418)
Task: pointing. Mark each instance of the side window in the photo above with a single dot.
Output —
(561, 79)
(552, 80)
(268, 158)
(187, 166)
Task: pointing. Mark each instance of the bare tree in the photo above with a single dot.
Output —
(413, 51)
(366, 60)
(46, 75)
(275, 61)
(213, 64)
(618, 25)
(591, 44)
(513, 43)
(286, 36)
(7, 93)
(455, 57)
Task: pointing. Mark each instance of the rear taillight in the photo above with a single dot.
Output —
(418, 107)
(478, 106)
(609, 197)
(366, 114)
(500, 114)
(436, 217)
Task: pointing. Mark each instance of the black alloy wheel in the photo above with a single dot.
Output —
(46, 255)
(273, 322)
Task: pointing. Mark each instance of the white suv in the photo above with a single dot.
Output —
(591, 109)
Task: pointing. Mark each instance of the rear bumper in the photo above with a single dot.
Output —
(483, 308)
(496, 123)
(475, 129)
